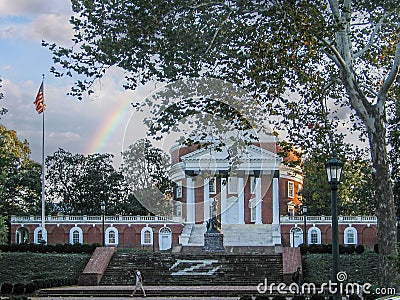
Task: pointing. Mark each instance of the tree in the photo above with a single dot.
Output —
(145, 169)
(332, 54)
(78, 184)
(20, 184)
(3, 229)
(355, 194)
(394, 140)
(3, 110)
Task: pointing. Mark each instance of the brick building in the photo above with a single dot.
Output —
(256, 199)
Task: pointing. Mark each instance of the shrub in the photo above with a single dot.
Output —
(317, 297)
(327, 248)
(19, 288)
(6, 288)
(50, 248)
(350, 249)
(314, 248)
(303, 248)
(30, 287)
(262, 297)
(246, 297)
(299, 297)
(40, 283)
(14, 247)
(354, 297)
(360, 249)
(59, 248)
(23, 247)
(32, 247)
(376, 248)
(68, 248)
(4, 247)
(279, 297)
(342, 249)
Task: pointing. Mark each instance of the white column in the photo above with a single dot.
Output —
(241, 200)
(206, 192)
(190, 207)
(275, 200)
(258, 201)
(224, 197)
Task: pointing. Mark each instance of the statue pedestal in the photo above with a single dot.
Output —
(213, 242)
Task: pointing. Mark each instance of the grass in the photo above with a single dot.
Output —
(358, 267)
(26, 266)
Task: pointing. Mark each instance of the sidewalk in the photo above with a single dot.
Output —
(153, 292)
(149, 298)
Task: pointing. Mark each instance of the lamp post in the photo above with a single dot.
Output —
(305, 224)
(334, 171)
(398, 228)
(103, 210)
(154, 229)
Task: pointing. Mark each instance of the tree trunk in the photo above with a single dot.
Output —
(385, 207)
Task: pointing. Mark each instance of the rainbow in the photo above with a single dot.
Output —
(107, 128)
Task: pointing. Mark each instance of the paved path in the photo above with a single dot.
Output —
(169, 292)
(149, 298)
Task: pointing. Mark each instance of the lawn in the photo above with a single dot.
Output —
(26, 266)
(358, 267)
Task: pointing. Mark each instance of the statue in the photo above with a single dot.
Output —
(213, 224)
(213, 238)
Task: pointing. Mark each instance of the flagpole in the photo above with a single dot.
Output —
(44, 232)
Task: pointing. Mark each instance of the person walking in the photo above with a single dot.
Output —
(138, 282)
(297, 278)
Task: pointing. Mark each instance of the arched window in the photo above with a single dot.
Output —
(314, 235)
(76, 235)
(147, 236)
(165, 238)
(112, 236)
(350, 236)
(253, 209)
(296, 236)
(39, 235)
(22, 235)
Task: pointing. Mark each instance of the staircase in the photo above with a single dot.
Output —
(162, 269)
(197, 235)
(250, 235)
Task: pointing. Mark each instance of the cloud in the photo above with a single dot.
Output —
(51, 28)
(32, 8)
(25, 20)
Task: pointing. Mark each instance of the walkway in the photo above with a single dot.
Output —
(153, 292)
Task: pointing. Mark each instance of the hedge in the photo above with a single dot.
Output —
(327, 248)
(59, 248)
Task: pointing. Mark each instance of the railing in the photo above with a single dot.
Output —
(97, 219)
(328, 219)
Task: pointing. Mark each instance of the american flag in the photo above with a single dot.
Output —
(39, 102)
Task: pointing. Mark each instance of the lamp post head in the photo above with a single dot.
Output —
(334, 171)
(305, 209)
(103, 207)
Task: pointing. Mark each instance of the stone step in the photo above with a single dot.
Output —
(235, 234)
(221, 269)
(151, 291)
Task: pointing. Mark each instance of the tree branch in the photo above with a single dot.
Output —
(335, 56)
(217, 31)
(371, 38)
(382, 95)
(335, 9)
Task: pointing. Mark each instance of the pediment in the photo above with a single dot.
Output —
(252, 153)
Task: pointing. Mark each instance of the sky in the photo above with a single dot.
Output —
(103, 123)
